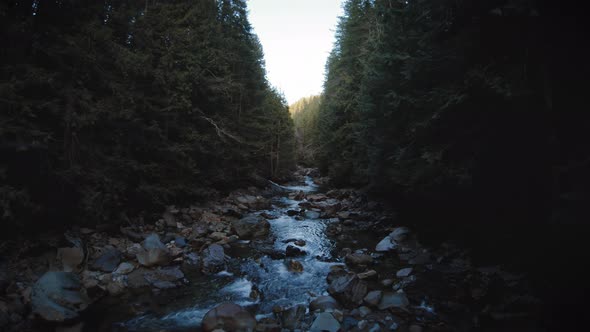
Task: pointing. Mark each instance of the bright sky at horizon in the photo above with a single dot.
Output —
(297, 37)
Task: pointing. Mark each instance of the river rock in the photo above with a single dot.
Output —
(348, 289)
(364, 311)
(154, 252)
(294, 266)
(404, 272)
(200, 229)
(124, 268)
(293, 251)
(191, 263)
(311, 214)
(228, 317)
(300, 243)
(373, 298)
(393, 300)
(391, 241)
(325, 322)
(213, 259)
(71, 258)
(251, 227)
(358, 260)
(108, 260)
(324, 303)
(58, 296)
(367, 274)
(165, 277)
(292, 317)
(299, 196)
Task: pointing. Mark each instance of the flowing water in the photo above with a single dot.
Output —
(250, 269)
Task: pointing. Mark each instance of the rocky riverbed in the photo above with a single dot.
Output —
(284, 258)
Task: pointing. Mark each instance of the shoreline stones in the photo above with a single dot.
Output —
(228, 317)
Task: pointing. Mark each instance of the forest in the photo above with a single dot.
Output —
(153, 179)
(119, 107)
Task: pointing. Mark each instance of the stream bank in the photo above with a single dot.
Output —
(289, 257)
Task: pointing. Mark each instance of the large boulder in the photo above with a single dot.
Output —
(228, 317)
(348, 289)
(58, 296)
(213, 259)
(251, 227)
(108, 261)
(153, 252)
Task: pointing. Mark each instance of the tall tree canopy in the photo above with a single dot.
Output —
(438, 99)
(118, 106)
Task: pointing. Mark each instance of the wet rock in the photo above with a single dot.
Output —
(324, 303)
(251, 227)
(311, 214)
(362, 325)
(299, 196)
(200, 229)
(300, 243)
(108, 260)
(387, 282)
(136, 279)
(390, 242)
(373, 298)
(358, 260)
(292, 213)
(325, 322)
(153, 252)
(268, 325)
(292, 251)
(348, 289)
(343, 215)
(292, 317)
(180, 241)
(229, 317)
(58, 296)
(71, 258)
(336, 271)
(217, 236)
(404, 272)
(393, 300)
(364, 311)
(294, 266)
(213, 259)
(316, 197)
(191, 263)
(124, 268)
(368, 274)
(165, 277)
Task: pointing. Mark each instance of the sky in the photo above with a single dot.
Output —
(297, 37)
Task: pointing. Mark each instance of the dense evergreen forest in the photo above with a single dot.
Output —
(446, 109)
(113, 107)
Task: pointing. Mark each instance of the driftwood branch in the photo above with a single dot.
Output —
(220, 131)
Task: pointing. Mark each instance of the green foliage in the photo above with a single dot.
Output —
(305, 118)
(416, 93)
(124, 107)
